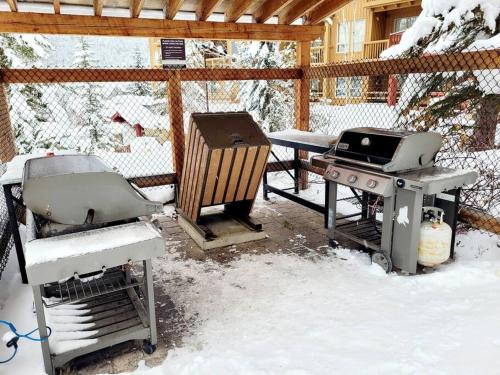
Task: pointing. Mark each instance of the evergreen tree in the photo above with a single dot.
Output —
(30, 112)
(139, 88)
(454, 27)
(88, 115)
(270, 102)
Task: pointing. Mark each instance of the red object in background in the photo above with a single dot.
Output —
(50, 153)
(138, 130)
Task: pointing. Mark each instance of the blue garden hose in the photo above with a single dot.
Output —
(13, 341)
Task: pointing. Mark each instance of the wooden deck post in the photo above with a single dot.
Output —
(175, 113)
(7, 142)
(302, 92)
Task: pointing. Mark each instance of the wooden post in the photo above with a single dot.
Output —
(302, 92)
(175, 113)
(7, 142)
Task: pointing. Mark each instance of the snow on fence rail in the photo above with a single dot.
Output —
(136, 118)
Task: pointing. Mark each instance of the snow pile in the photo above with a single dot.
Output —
(284, 314)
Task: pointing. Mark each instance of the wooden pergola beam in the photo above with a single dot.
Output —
(98, 5)
(43, 23)
(235, 9)
(57, 6)
(324, 10)
(135, 8)
(268, 8)
(173, 6)
(12, 5)
(296, 10)
(206, 8)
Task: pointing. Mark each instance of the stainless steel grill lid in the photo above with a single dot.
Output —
(81, 189)
(387, 150)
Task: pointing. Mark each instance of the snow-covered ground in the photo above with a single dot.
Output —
(285, 314)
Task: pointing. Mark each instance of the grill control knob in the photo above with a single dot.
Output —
(334, 174)
(371, 183)
(352, 179)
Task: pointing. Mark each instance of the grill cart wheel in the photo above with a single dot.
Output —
(333, 243)
(380, 258)
(147, 347)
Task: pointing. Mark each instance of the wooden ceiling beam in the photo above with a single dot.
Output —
(98, 5)
(173, 6)
(57, 6)
(267, 9)
(235, 9)
(296, 10)
(324, 10)
(62, 24)
(206, 8)
(135, 8)
(12, 5)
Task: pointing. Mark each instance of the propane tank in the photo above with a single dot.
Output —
(435, 238)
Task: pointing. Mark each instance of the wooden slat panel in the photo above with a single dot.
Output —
(193, 155)
(235, 174)
(199, 183)
(247, 170)
(223, 175)
(260, 164)
(185, 168)
(267, 9)
(63, 24)
(135, 75)
(211, 179)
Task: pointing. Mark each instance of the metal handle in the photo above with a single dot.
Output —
(357, 162)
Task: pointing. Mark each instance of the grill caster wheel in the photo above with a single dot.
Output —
(148, 348)
(380, 258)
(333, 244)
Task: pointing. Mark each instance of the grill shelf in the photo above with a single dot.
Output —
(77, 290)
(362, 231)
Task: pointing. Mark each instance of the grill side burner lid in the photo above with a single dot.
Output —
(81, 189)
(387, 150)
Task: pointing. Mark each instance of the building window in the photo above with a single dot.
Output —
(358, 35)
(401, 24)
(355, 87)
(340, 87)
(342, 37)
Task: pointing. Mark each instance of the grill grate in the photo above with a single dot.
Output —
(77, 290)
(366, 232)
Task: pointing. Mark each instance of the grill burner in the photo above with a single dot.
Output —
(394, 170)
(86, 229)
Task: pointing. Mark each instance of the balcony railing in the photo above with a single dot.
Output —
(372, 50)
(395, 38)
(317, 55)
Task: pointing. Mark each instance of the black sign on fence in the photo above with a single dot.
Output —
(173, 53)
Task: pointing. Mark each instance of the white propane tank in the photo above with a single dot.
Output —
(435, 238)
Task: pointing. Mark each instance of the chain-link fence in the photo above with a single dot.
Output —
(136, 119)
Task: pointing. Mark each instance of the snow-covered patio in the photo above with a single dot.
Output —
(289, 304)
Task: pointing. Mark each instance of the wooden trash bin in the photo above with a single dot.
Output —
(225, 158)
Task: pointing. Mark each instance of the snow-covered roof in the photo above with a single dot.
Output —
(134, 111)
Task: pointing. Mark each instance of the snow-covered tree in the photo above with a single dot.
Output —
(88, 111)
(31, 116)
(270, 102)
(139, 88)
(453, 26)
